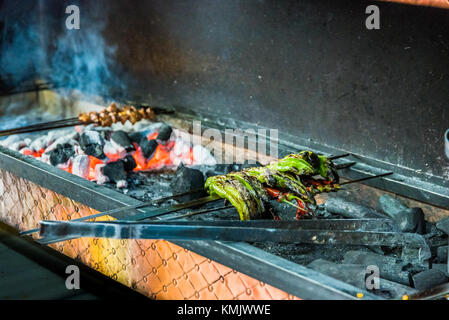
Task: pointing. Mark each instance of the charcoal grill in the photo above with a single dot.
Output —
(32, 191)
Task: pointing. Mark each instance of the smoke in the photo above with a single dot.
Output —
(35, 40)
(83, 60)
(20, 52)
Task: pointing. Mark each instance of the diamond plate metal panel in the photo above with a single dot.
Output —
(156, 268)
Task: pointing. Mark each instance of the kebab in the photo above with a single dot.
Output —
(249, 190)
(106, 117)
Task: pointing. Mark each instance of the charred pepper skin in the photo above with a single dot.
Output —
(250, 189)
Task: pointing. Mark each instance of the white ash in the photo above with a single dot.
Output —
(81, 166)
(17, 146)
(79, 162)
(121, 184)
(65, 165)
(101, 178)
(94, 137)
(202, 156)
(61, 141)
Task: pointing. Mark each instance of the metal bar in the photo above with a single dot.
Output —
(246, 231)
(367, 178)
(339, 156)
(121, 209)
(42, 127)
(345, 165)
(194, 213)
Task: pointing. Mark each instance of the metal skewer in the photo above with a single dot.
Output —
(367, 178)
(339, 156)
(42, 126)
(121, 209)
(345, 165)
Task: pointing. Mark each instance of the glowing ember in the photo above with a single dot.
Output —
(162, 157)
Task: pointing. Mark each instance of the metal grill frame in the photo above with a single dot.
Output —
(285, 275)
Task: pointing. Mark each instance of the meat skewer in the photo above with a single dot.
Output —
(106, 117)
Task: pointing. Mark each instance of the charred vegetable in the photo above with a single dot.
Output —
(250, 190)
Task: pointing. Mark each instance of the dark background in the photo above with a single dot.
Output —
(308, 68)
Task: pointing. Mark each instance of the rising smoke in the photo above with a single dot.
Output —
(35, 43)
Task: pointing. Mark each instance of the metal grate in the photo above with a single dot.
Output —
(156, 268)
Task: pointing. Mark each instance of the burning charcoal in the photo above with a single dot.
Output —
(443, 225)
(61, 154)
(81, 166)
(429, 279)
(410, 220)
(115, 171)
(388, 267)
(442, 254)
(349, 273)
(129, 163)
(99, 174)
(187, 179)
(92, 144)
(26, 151)
(148, 147)
(164, 132)
(42, 142)
(350, 209)
(121, 138)
(113, 151)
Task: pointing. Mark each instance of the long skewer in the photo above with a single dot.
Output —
(171, 209)
(121, 209)
(42, 126)
(367, 178)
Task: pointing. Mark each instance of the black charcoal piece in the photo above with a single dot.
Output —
(442, 254)
(92, 143)
(61, 154)
(388, 266)
(135, 137)
(349, 273)
(115, 171)
(391, 206)
(411, 220)
(164, 132)
(429, 279)
(105, 132)
(188, 179)
(443, 225)
(121, 138)
(148, 147)
(441, 267)
(350, 209)
(129, 163)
